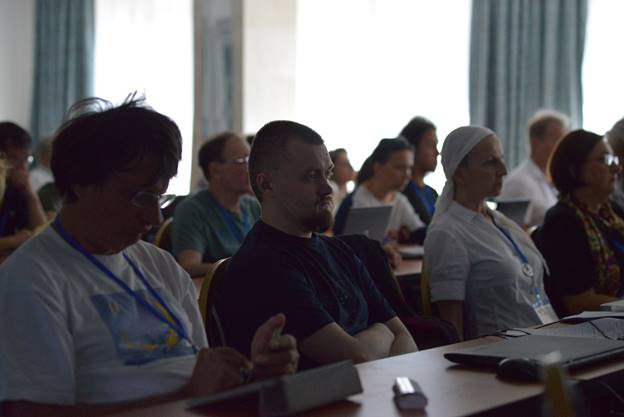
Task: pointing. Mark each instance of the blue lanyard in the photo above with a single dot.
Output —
(176, 325)
(425, 195)
(229, 219)
(519, 252)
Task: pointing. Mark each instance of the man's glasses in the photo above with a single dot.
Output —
(145, 199)
(609, 160)
(238, 161)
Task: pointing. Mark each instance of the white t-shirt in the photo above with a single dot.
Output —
(72, 335)
(528, 182)
(402, 214)
(468, 259)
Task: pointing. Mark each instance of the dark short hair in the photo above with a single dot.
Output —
(271, 145)
(381, 154)
(12, 135)
(99, 140)
(568, 158)
(212, 150)
(415, 129)
(335, 154)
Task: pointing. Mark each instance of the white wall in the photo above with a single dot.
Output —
(17, 43)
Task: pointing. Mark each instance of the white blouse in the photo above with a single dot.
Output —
(467, 258)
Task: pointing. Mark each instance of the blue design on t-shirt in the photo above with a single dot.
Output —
(138, 335)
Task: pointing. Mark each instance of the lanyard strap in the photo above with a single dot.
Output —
(176, 325)
(425, 195)
(519, 252)
(230, 222)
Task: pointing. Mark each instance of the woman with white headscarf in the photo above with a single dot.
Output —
(485, 273)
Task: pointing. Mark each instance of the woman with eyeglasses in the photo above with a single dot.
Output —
(582, 238)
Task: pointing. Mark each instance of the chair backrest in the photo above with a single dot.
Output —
(163, 235)
(207, 298)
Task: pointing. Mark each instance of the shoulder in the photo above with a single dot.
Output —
(401, 200)
(33, 264)
(560, 213)
(249, 202)
(432, 191)
(198, 200)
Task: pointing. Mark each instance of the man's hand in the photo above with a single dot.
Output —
(272, 353)
(216, 370)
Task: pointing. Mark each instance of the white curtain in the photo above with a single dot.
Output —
(366, 67)
(147, 46)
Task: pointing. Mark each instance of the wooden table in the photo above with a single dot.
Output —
(452, 390)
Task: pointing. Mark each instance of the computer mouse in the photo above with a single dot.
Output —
(519, 369)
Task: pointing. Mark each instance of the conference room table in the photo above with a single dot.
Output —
(452, 390)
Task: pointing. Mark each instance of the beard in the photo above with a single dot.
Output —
(321, 221)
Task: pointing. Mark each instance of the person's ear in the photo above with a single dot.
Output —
(264, 182)
(214, 169)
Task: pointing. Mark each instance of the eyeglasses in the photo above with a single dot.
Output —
(238, 161)
(608, 159)
(145, 199)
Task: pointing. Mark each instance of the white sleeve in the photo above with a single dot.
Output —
(37, 361)
(447, 265)
(409, 217)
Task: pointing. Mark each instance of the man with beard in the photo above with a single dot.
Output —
(332, 305)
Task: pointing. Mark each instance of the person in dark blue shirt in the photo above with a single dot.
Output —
(332, 305)
(421, 134)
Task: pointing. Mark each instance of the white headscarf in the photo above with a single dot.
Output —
(456, 146)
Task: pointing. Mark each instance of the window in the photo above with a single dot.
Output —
(364, 68)
(147, 46)
(603, 84)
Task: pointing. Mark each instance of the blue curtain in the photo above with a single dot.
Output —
(64, 59)
(214, 74)
(525, 55)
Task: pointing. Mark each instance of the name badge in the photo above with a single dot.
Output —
(546, 313)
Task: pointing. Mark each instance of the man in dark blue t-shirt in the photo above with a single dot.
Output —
(332, 305)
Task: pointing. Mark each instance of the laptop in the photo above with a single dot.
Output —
(516, 210)
(369, 221)
(617, 305)
(575, 351)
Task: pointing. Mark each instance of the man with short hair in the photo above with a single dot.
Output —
(20, 210)
(212, 223)
(333, 306)
(529, 180)
(93, 319)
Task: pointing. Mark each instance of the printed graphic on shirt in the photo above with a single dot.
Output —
(139, 336)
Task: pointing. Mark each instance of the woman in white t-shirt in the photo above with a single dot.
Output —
(485, 273)
(380, 181)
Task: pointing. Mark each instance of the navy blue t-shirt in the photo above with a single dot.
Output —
(313, 281)
(13, 213)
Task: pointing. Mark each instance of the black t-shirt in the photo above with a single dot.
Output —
(313, 281)
(13, 213)
(563, 243)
